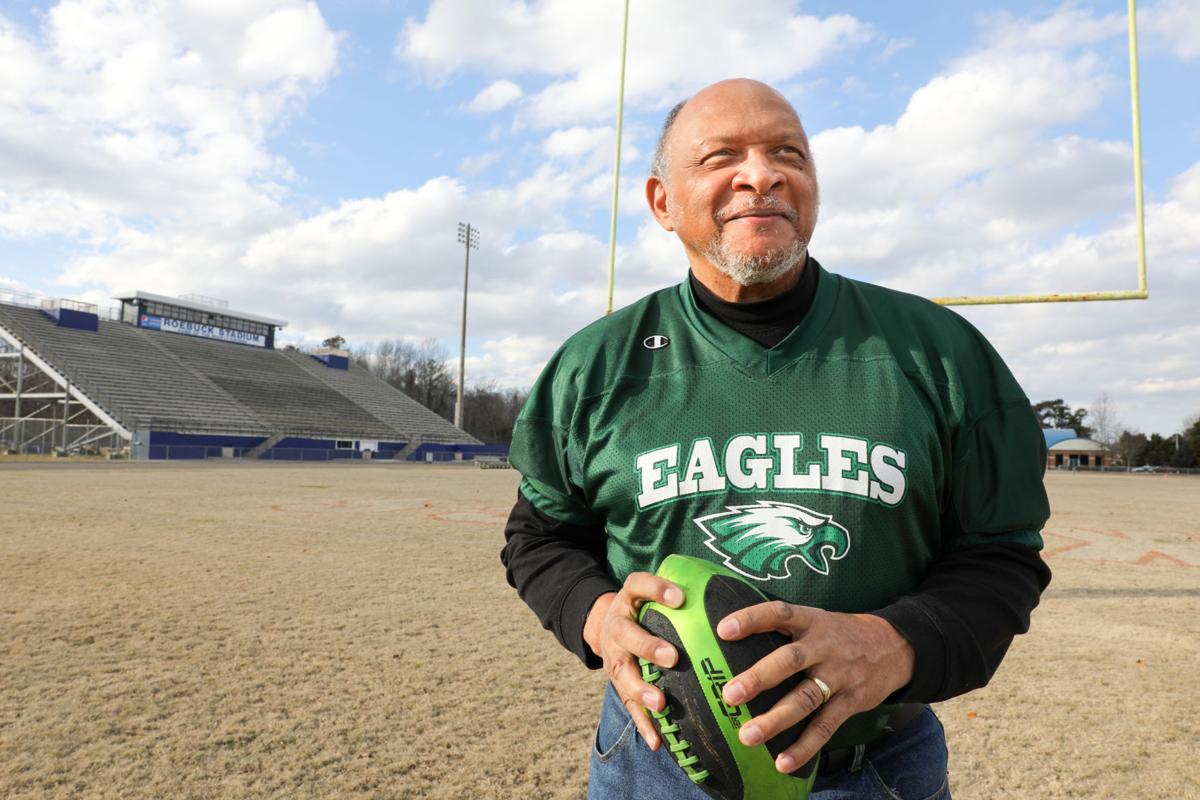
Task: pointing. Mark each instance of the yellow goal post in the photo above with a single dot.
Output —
(1141, 293)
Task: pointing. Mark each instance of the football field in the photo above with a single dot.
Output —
(243, 630)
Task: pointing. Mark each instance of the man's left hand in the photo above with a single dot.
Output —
(860, 657)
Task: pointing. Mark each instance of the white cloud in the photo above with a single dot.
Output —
(969, 178)
(151, 109)
(380, 267)
(289, 44)
(578, 45)
(494, 97)
(14, 286)
(983, 112)
(853, 84)
(510, 361)
(1177, 22)
(588, 153)
(571, 143)
(1157, 385)
(1066, 27)
(895, 46)
(473, 165)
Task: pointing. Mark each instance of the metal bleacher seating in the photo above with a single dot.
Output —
(122, 370)
(374, 395)
(165, 381)
(274, 389)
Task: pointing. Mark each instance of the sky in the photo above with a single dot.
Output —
(311, 162)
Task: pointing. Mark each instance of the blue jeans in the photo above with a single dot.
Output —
(911, 765)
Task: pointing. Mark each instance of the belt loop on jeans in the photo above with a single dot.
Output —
(851, 757)
(860, 750)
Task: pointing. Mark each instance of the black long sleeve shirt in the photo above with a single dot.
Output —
(960, 620)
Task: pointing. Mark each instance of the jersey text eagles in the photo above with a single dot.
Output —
(751, 462)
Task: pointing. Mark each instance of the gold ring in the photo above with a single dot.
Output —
(823, 686)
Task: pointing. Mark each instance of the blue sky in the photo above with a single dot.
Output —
(311, 160)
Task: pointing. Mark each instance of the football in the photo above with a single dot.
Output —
(698, 728)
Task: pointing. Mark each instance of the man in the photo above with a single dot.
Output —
(761, 396)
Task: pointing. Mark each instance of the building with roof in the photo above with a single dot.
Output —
(1076, 453)
(188, 377)
(1056, 435)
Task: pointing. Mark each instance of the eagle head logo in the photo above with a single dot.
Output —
(760, 540)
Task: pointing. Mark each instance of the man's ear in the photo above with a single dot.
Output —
(656, 196)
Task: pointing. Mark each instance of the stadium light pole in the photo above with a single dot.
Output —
(468, 237)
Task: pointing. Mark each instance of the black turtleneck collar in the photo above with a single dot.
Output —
(769, 321)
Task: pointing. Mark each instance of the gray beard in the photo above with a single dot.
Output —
(751, 270)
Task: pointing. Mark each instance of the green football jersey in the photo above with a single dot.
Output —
(829, 469)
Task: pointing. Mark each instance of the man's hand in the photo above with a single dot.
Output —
(611, 630)
(860, 657)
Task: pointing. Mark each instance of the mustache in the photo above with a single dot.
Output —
(759, 203)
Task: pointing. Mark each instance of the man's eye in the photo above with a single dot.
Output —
(792, 151)
(718, 154)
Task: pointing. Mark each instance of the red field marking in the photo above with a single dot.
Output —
(1075, 544)
(1111, 534)
(482, 516)
(1156, 555)
(358, 507)
(1149, 558)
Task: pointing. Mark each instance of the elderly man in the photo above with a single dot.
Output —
(764, 387)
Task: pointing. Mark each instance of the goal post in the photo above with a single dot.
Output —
(1141, 293)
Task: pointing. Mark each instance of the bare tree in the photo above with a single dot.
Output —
(422, 372)
(1106, 426)
(394, 361)
(434, 384)
(1129, 446)
(1191, 423)
(489, 413)
(1191, 434)
(418, 370)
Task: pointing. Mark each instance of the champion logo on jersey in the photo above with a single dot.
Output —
(655, 342)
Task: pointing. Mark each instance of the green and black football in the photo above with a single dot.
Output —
(698, 728)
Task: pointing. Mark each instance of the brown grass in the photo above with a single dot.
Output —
(196, 631)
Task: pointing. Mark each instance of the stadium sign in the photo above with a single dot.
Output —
(204, 331)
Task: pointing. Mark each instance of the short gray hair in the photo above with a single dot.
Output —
(658, 167)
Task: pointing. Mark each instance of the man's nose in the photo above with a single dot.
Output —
(758, 173)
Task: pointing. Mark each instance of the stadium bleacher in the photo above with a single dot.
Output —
(377, 397)
(268, 384)
(177, 386)
(123, 371)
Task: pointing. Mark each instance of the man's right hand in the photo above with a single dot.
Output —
(612, 631)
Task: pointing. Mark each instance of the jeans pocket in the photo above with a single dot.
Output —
(911, 792)
(605, 747)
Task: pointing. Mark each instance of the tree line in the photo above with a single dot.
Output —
(421, 371)
(1131, 447)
